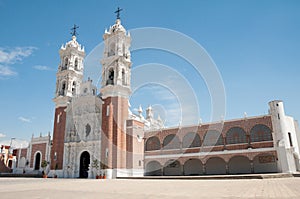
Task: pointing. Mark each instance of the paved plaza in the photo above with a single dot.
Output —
(35, 188)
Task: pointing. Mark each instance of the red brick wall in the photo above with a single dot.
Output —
(133, 147)
(37, 147)
(23, 154)
(107, 133)
(129, 143)
(246, 124)
(58, 138)
(114, 132)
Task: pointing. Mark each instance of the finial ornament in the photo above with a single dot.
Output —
(74, 30)
(118, 12)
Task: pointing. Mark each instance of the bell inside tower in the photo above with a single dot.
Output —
(111, 75)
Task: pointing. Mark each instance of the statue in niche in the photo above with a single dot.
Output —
(87, 130)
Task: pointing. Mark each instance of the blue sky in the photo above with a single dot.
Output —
(255, 45)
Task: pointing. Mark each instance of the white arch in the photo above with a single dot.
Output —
(66, 62)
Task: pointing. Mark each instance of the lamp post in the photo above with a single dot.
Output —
(11, 139)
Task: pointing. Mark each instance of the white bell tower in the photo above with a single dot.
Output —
(115, 91)
(68, 80)
(116, 62)
(70, 71)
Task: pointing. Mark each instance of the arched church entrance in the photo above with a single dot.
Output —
(37, 161)
(84, 165)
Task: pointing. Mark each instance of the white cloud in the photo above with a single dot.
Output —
(13, 55)
(16, 143)
(6, 71)
(43, 68)
(23, 119)
(9, 56)
(2, 135)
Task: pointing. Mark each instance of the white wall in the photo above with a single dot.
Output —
(282, 126)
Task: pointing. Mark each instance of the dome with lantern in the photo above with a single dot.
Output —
(73, 44)
(117, 27)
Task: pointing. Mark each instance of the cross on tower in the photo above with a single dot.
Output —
(74, 32)
(118, 12)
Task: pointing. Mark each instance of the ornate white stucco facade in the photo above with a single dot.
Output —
(83, 132)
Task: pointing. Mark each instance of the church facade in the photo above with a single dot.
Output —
(96, 133)
(90, 129)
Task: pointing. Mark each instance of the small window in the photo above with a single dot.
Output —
(55, 156)
(140, 163)
(106, 152)
(58, 118)
(63, 88)
(74, 88)
(123, 77)
(290, 139)
(66, 62)
(107, 110)
(76, 64)
(278, 116)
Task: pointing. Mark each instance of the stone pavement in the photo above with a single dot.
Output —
(19, 188)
